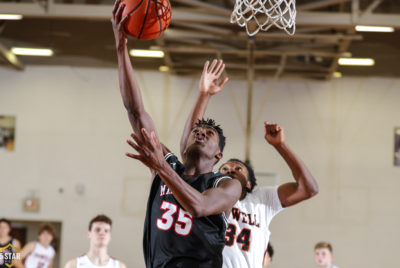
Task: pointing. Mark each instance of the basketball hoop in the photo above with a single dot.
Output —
(258, 15)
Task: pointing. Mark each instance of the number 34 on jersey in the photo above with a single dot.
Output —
(243, 237)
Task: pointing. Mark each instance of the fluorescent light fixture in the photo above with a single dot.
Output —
(381, 29)
(10, 17)
(356, 61)
(163, 68)
(146, 53)
(337, 74)
(32, 51)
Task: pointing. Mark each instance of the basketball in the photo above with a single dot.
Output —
(147, 18)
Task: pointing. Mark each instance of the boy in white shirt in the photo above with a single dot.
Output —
(40, 253)
(99, 235)
(323, 255)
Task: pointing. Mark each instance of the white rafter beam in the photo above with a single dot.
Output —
(345, 19)
(371, 7)
(185, 35)
(257, 53)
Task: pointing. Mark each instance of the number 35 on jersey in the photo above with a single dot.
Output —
(182, 225)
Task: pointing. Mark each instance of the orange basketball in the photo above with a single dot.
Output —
(147, 18)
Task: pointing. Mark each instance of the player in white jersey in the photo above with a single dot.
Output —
(248, 234)
(99, 235)
(40, 254)
(323, 255)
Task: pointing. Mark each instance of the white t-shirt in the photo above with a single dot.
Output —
(40, 257)
(248, 232)
(84, 262)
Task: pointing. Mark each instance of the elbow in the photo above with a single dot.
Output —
(309, 187)
(312, 190)
(197, 211)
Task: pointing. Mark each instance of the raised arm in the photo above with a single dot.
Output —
(27, 250)
(128, 84)
(305, 186)
(208, 86)
(210, 202)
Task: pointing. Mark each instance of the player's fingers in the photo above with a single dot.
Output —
(270, 128)
(124, 20)
(115, 7)
(217, 67)
(205, 68)
(154, 139)
(134, 146)
(134, 156)
(145, 152)
(220, 69)
(222, 83)
(136, 139)
(147, 138)
(214, 62)
(119, 13)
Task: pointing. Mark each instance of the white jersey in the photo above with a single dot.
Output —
(40, 257)
(248, 232)
(84, 262)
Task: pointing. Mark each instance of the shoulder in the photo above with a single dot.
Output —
(266, 190)
(71, 263)
(16, 243)
(173, 161)
(30, 246)
(170, 157)
(266, 195)
(220, 179)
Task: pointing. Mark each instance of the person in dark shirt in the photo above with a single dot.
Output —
(185, 222)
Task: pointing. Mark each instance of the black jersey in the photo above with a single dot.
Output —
(5, 254)
(172, 237)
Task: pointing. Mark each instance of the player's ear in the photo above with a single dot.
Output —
(218, 156)
(248, 185)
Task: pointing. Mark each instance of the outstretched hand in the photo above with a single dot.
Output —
(209, 78)
(274, 134)
(118, 24)
(150, 151)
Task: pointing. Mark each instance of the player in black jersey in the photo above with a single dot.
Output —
(9, 247)
(185, 222)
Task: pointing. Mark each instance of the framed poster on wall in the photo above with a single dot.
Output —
(397, 146)
(7, 132)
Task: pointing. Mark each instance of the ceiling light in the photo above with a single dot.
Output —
(356, 61)
(32, 51)
(10, 17)
(146, 53)
(337, 75)
(382, 29)
(163, 68)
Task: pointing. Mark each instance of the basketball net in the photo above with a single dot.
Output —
(258, 15)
